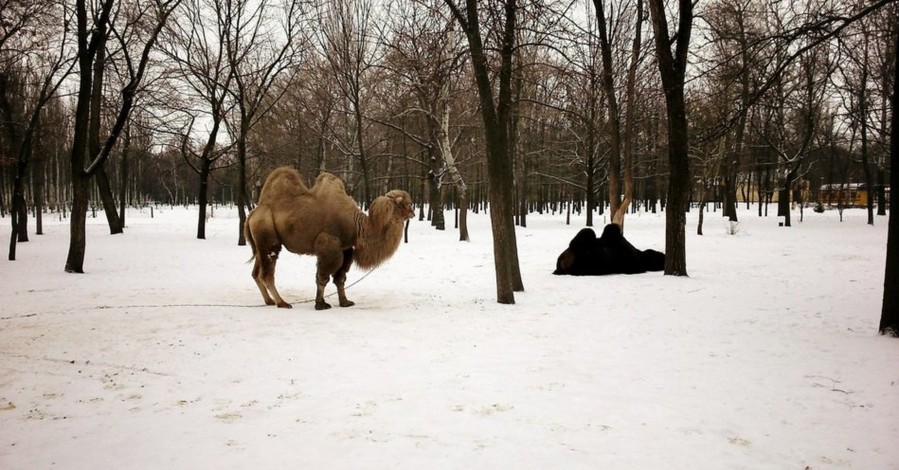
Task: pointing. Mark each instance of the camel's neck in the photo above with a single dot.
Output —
(376, 240)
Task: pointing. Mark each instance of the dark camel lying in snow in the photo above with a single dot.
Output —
(609, 254)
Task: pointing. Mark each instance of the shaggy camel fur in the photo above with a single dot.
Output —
(325, 222)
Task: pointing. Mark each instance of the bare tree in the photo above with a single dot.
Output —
(258, 55)
(889, 316)
(496, 116)
(855, 68)
(33, 64)
(347, 45)
(197, 46)
(620, 129)
(426, 56)
(672, 70)
(91, 34)
(797, 108)
(736, 67)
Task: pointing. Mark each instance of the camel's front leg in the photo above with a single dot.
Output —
(330, 259)
(321, 280)
(340, 278)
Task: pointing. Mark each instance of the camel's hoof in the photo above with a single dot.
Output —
(284, 305)
(322, 306)
(348, 303)
(269, 302)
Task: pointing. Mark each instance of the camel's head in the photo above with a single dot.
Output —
(403, 203)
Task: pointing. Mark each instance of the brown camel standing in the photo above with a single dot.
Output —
(325, 222)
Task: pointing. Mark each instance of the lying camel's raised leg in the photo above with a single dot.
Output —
(340, 278)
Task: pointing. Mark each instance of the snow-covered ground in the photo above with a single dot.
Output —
(162, 355)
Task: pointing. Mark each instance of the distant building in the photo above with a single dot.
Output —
(847, 194)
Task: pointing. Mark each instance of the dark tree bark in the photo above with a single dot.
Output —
(89, 37)
(207, 158)
(39, 175)
(93, 139)
(435, 182)
(203, 198)
(242, 202)
(672, 69)
(123, 184)
(608, 85)
(20, 20)
(627, 161)
(208, 72)
(11, 109)
(730, 166)
(863, 122)
(104, 188)
(889, 316)
(496, 117)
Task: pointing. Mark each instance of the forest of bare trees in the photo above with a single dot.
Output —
(580, 107)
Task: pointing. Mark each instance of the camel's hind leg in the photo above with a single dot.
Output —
(257, 276)
(265, 277)
(266, 247)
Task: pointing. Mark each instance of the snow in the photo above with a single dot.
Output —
(162, 355)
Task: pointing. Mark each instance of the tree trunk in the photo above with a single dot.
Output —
(78, 221)
(785, 196)
(614, 115)
(627, 158)
(496, 118)
(242, 184)
(18, 213)
(20, 206)
(363, 158)
(102, 179)
(672, 69)
(123, 180)
(80, 179)
(889, 316)
(105, 191)
(702, 206)
(446, 149)
(40, 180)
(438, 221)
(435, 182)
(591, 176)
(203, 198)
(783, 204)
(463, 216)
(19, 147)
(863, 120)
(519, 187)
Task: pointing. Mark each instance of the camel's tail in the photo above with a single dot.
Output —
(248, 234)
